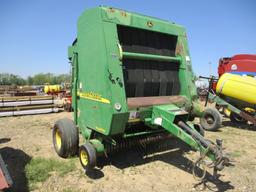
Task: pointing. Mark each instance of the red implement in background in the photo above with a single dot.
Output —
(3, 182)
(242, 64)
(5, 179)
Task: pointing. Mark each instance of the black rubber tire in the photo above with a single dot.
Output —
(235, 118)
(68, 107)
(69, 138)
(89, 149)
(211, 119)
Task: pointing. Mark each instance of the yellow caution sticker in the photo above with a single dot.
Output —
(93, 96)
(102, 130)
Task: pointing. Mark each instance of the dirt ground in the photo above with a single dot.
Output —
(162, 167)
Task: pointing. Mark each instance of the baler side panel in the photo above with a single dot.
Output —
(115, 80)
(187, 76)
(94, 103)
(186, 73)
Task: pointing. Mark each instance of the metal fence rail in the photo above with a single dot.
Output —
(14, 106)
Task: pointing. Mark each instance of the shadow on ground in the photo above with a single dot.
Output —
(171, 152)
(232, 125)
(4, 140)
(16, 160)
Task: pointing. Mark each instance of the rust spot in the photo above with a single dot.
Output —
(123, 13)
(150, 24)
(94, 107)
(111, 10)
(248, 117)
(179, 49)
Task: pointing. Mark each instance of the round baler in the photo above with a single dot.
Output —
(132, 83)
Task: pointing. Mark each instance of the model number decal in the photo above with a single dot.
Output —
(93, 96)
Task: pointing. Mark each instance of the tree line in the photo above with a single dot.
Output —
(38, 79)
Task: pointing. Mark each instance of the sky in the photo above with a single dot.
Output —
(35, 34)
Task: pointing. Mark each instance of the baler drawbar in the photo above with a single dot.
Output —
(132, 83)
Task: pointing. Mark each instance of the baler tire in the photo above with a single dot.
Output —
(215, 116)
(65, 138)
(68, 107)
(87, 156)
(235, 118)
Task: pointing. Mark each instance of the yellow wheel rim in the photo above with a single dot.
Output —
(249, 110)
(58, 139)
(227, 112)
(84, 157)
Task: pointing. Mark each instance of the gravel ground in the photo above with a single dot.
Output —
(164, 166)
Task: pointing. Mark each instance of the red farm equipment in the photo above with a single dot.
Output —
(243, 64)
(5, 179)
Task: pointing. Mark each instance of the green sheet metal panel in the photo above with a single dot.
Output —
(144, 22)
(100, 83)
(92, 85)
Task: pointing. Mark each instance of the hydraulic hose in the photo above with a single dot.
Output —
(216, 149)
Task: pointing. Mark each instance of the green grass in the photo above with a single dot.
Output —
(237, 153)
(68, 190)
(40, 169)
(71, 190)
